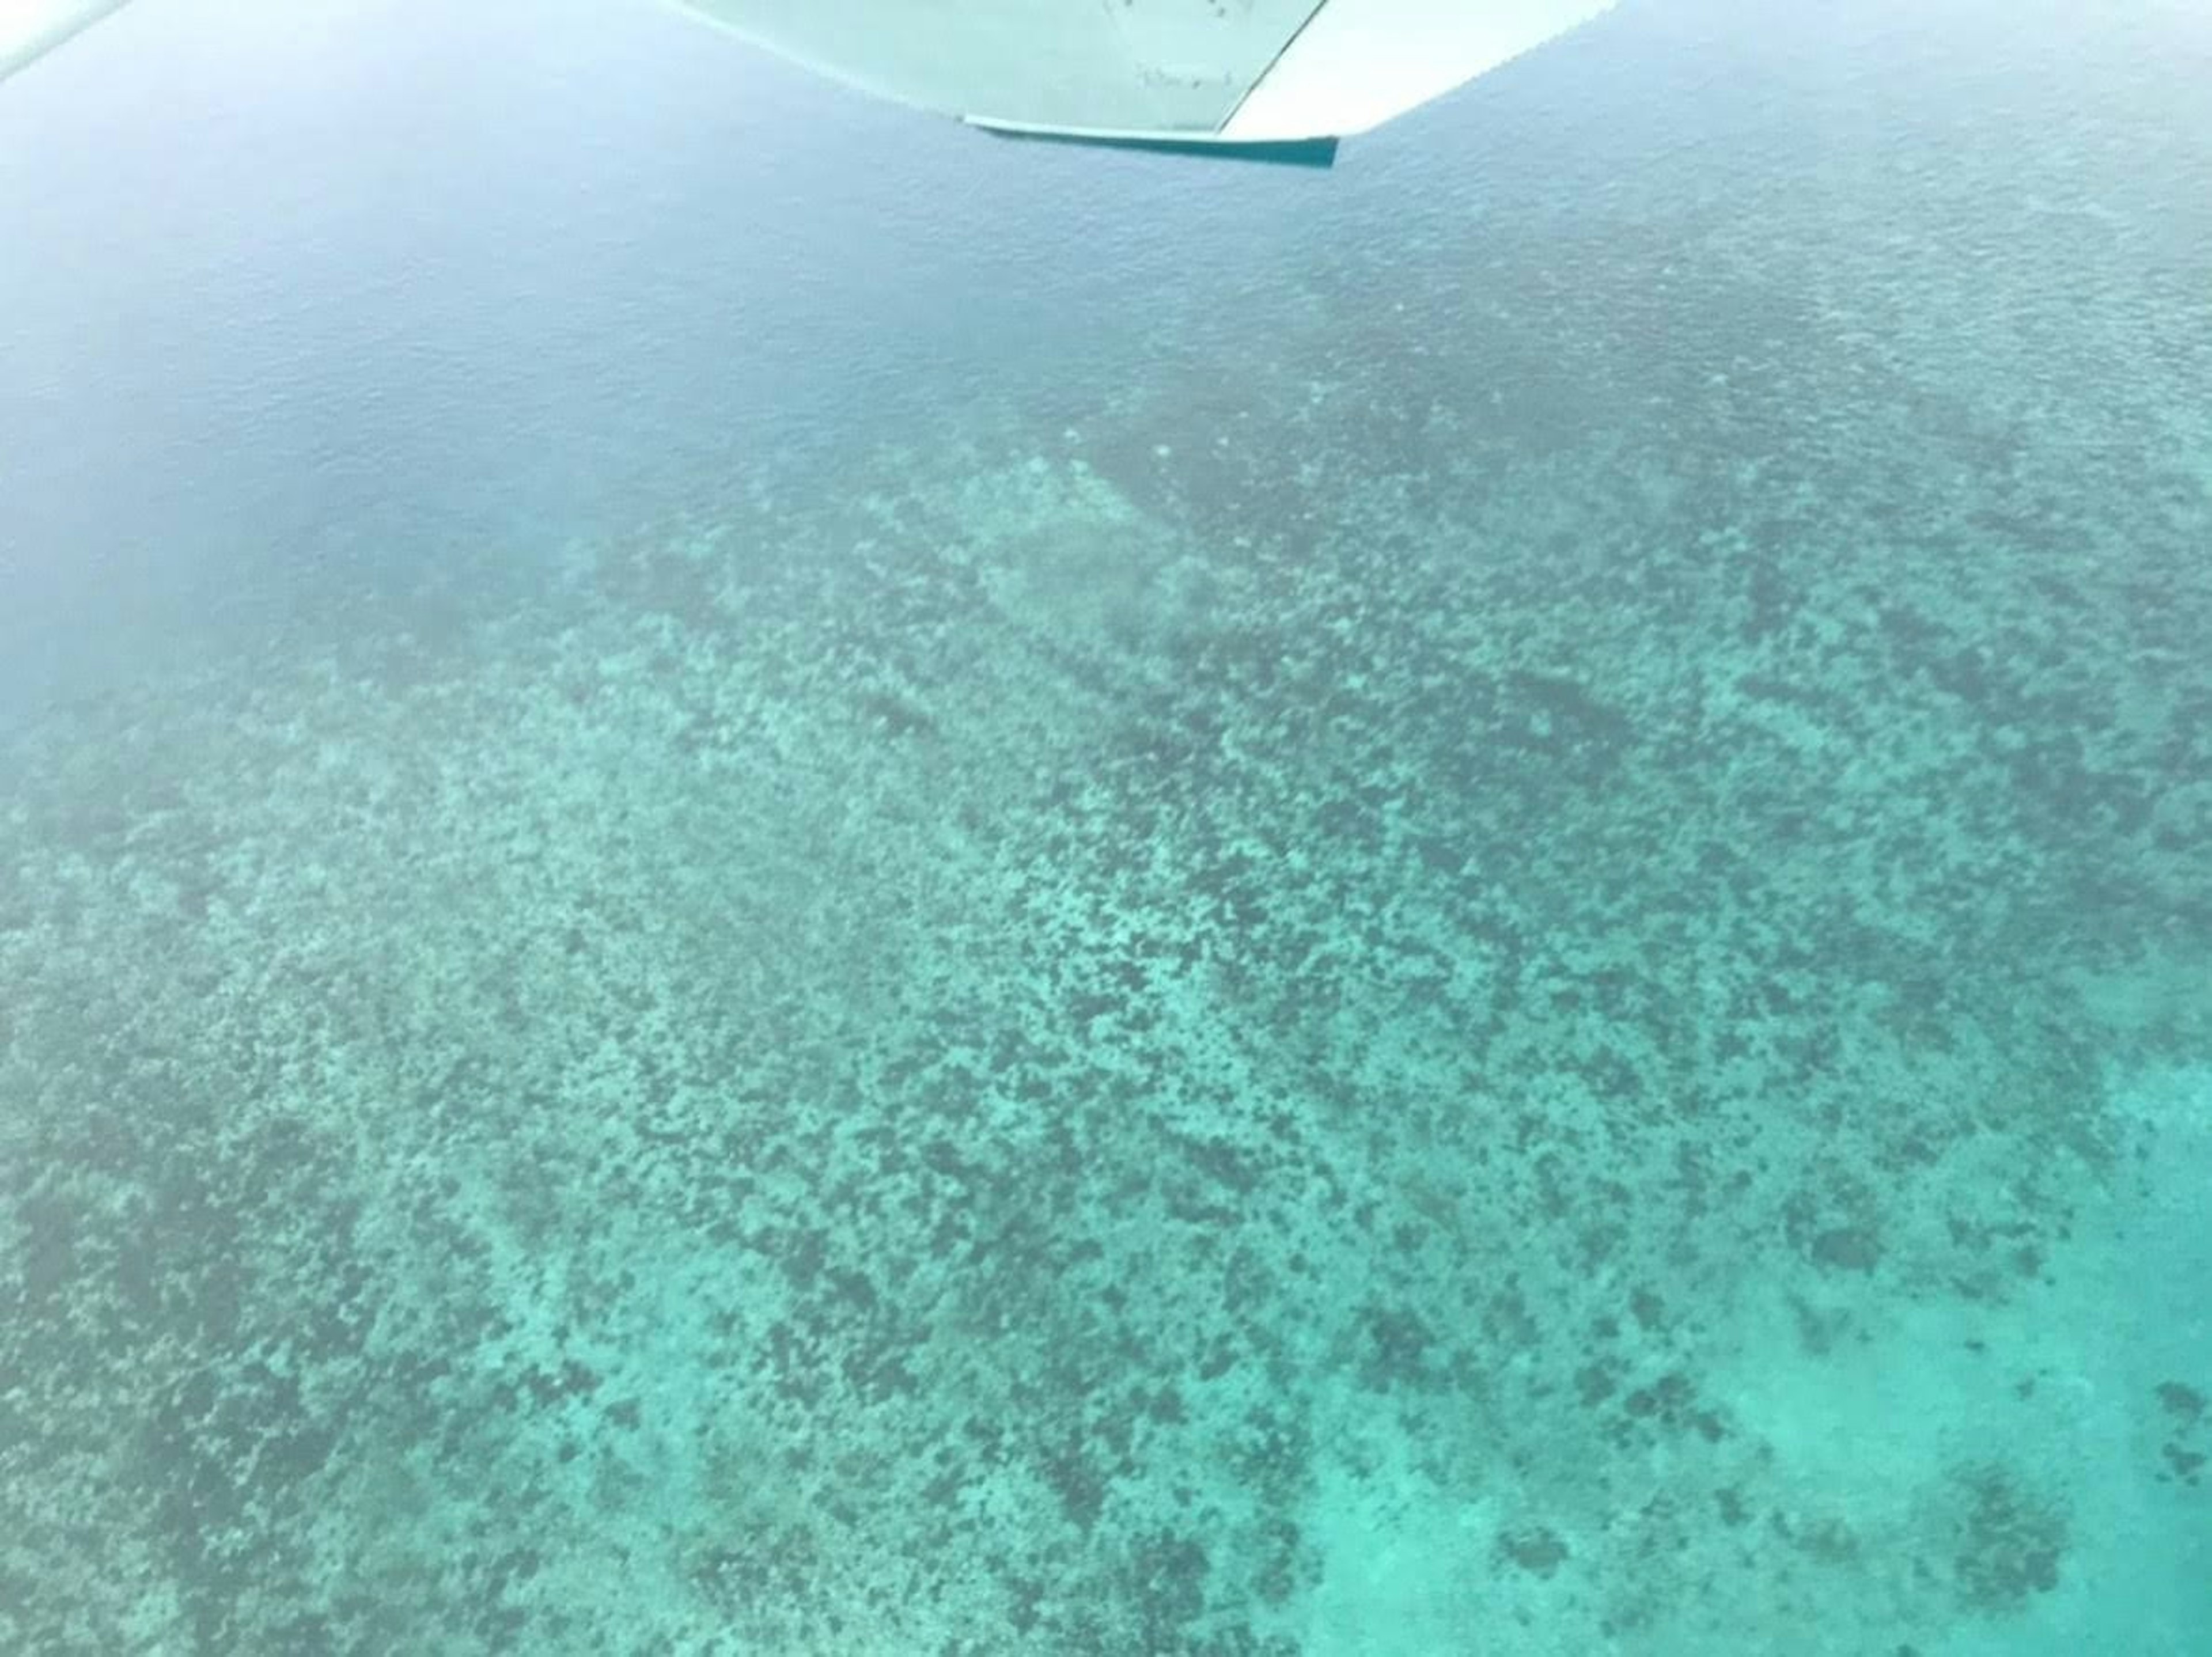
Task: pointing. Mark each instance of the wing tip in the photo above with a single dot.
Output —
(32, 31)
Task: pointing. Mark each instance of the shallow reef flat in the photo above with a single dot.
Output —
(1543, 1043)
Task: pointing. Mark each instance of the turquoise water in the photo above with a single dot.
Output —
(773, 882)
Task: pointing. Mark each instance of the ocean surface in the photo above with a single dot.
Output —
(775, 881)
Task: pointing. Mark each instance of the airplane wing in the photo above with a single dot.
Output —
(1270, 80)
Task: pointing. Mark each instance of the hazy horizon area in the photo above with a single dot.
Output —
(776, 880)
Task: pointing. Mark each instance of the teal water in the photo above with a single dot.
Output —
(775, 883)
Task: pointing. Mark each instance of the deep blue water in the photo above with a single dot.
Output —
(292, 312)
(409, 282)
